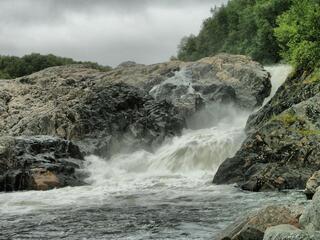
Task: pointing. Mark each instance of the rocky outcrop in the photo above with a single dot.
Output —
(38, 163)
(76, 104)
(282, 148)
(253, 226)
(248, 78)
(107, 112)
(102, 110)
(222, 79)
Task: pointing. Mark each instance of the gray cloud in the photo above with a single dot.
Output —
(108, 32)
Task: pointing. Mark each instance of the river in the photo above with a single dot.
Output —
(167, 194)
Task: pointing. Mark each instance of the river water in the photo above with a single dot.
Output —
(167, 194)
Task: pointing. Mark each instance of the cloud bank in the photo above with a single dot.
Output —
(104, 31)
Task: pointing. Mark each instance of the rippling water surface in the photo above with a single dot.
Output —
(167, 194)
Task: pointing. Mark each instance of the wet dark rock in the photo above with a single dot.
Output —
(123, 113)
(101, 117)
(282, 149)
(38, 163)
(217, 93)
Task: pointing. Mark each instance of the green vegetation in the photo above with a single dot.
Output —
(240, 27)
(12, 67)
(266, 30)
(309, 132)
(314, 77)
(286, 118)
(290, 118)
(299, 34)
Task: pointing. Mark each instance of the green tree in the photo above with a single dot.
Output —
(240, 27)
(299, 34)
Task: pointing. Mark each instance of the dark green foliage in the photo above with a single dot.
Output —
(299, 34)
(12, 67)
(240, 27)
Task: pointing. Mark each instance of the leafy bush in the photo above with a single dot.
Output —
(299, 34)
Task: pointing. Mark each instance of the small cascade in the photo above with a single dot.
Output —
(279, 74)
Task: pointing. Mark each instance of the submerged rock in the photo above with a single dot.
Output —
(38, 163)
(282, 149)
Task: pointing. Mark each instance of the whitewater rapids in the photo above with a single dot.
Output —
(167, 194)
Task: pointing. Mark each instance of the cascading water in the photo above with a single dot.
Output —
(279, 74)
(167, 194)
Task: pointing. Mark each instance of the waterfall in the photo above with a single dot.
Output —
(165, 194)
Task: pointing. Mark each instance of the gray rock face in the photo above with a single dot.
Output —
(220, 79)
(282, 148)
(248, 78)
(81, 107)
(289, 232)
(223, 79)
(102, 110)
(38, 163)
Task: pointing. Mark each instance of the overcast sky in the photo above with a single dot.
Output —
(104, 31)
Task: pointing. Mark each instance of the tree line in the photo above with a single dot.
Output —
(267, 30)
(13, 67)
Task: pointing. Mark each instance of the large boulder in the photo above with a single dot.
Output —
(220, 79)
(254, 225)
(75, 103)
(38, 163)
(282, 149)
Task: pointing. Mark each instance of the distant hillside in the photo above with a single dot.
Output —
(13, 67)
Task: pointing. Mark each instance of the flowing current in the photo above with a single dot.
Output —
(167, 194)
